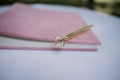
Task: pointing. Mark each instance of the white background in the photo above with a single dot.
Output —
(68, 65)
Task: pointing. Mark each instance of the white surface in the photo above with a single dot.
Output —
(68, 65)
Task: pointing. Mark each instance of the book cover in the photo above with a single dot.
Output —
(24, 27)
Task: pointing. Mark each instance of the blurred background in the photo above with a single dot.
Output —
(106, 6)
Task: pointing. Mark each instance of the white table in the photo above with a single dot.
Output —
(68, 65)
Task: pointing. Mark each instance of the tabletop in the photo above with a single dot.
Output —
(103, 64)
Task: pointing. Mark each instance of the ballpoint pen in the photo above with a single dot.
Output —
(60, 41)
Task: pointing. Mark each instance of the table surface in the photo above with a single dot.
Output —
(68, 65)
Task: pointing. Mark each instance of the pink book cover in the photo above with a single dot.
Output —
(24, 22)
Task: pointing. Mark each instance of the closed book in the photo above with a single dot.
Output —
(24, 27)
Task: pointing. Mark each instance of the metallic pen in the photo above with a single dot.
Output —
(60, 41)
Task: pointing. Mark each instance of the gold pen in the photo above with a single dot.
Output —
(60, 41)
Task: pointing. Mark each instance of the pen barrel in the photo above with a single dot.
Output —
(77, 32)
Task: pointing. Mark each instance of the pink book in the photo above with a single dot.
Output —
(24, 27)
